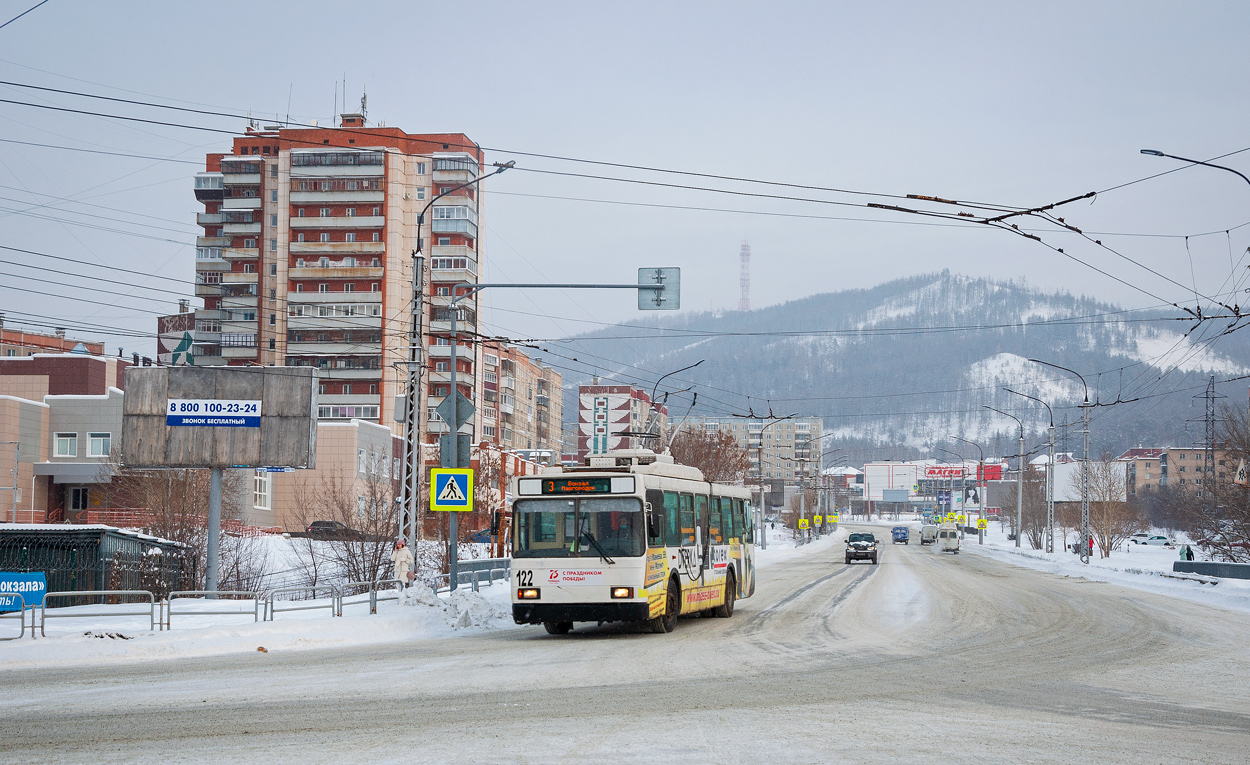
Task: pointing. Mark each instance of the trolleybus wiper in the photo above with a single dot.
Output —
(595, 543)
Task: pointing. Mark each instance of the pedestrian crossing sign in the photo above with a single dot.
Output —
(803, 523)
(1241, 478)
(982, 524)
(816, 519)
(451, 489)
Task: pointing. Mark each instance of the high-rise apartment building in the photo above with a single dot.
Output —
(306, 259)
(521, 404)
(787, 448)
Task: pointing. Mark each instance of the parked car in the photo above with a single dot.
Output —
(1156, 539)
(900, 534)
(928, 533)
(333, 530)
(861, 546)
(481, 535)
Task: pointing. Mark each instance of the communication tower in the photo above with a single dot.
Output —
(744, 302)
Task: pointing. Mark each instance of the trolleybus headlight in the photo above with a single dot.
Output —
(622, 592)
(527, 593)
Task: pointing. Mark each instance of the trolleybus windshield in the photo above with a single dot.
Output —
(567, 527)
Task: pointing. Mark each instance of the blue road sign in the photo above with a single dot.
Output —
(451, 489)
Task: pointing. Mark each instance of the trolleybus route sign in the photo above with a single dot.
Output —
(212, 413)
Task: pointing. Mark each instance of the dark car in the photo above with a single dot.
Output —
(333, 530)
(861, 546)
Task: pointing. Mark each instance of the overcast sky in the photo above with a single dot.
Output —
(1019, 104)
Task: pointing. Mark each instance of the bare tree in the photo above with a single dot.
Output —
(1033, 509)
(716, 453)
(1111, 519)
(1220, 523)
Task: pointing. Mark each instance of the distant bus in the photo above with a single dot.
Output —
(631, 537)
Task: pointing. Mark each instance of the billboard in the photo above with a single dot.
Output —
(204, 417)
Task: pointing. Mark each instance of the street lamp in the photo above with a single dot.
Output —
(1019, 473)
(759, 473)
(1050, 473)
(1085, 407)
(950, 497)
(1157, 153)
(980, 480)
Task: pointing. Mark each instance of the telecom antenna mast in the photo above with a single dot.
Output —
(744, 302)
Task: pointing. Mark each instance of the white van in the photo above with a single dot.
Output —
(948, 538)
(928, 534)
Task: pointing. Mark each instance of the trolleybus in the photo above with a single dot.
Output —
(630, 537)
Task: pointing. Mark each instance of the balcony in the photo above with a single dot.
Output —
(210, 338)
(241, 203)
(209, 186)
(444, 351)
(332, 272)
(543, 400)
(238, 301)
(239, 277)
(209, 242)
(209, 219)
(238, 352)
(240, 179)
(330, 323)
(454, 226)
(345, 221)
(240, 253)
(205, 289)
(234, 229)
(347, 197)
(334, 297)
(337, 248)
(368, 375)
(331, 399)
(332, 349)
(507, 383)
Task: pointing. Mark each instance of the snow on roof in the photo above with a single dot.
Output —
(46, 527)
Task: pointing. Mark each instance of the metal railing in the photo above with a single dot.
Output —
(373, 589)
(151, 604)
(21, 617)
(270, 600)
(228, 596)
(471, 572)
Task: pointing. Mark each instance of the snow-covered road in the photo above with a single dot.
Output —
(923, 657)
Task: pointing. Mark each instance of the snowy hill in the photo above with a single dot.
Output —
(912, 361)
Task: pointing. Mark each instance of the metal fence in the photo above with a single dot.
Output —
(151, 606)
(226, 596)
(21, 617)
(271, 599)
(373, 592)
(472, 572)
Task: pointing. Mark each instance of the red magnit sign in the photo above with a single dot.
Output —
(935, 471)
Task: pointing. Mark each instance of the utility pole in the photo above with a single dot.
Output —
(1019, 476)
(979, 481)
(1050, 473)
(1086, 406)
(1208, 445)
(412, 462)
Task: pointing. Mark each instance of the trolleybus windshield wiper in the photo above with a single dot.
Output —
(595, 543)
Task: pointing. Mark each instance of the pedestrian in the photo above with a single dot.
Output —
(401, 557)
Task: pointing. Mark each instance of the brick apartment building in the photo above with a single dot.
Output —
(305, 259)
(521, 402)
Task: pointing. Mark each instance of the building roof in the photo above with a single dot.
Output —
(1143, 453)
(52, 528)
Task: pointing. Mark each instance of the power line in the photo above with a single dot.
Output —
(23, 13)
(98, 151)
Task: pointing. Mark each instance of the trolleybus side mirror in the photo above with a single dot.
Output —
(653, 526)
(496, 520)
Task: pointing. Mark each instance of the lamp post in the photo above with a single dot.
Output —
(1085, 408)
(759, 473)
(1157, 153)
(950, 497)
(1050, 473)
(1019, 475)
(980, 480)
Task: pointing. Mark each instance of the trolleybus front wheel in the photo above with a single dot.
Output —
(558, 628)
(667, 622)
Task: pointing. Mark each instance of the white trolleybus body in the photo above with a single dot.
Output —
(631, 537)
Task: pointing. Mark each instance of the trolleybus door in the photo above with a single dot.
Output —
(744, 514)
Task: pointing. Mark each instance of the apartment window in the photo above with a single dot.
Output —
(273, 220)
(321, 389)
(349, 287)
(273, 319)
(323, 263)
(273, 271)
(420, 168)
(323, 288)
(347, 389)
(374, 287)
(261, 490)
(421, 193)
(373, 388)
(249, 268)
(299, 237)
(349, 262)
(444, 241)
(360, 462)
(350, 237)
(325, 237)
(350, 212)
(442, 366)
(492, 359)
(67, 444)
(273, 196)
(273, 344)
(299, 213)
(377, 237)
(249, 243)
(98, 444)
(325, 212)
(491, 377)
(273, 169)
(299, 287)
(80, 498)
(444, 291)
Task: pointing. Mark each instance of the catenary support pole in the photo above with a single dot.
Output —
(1020, 490)
(214, 530)
(1085, 539)
(1050, 493)
(453, 447)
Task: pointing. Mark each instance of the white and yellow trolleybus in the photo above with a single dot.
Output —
(630, 537)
